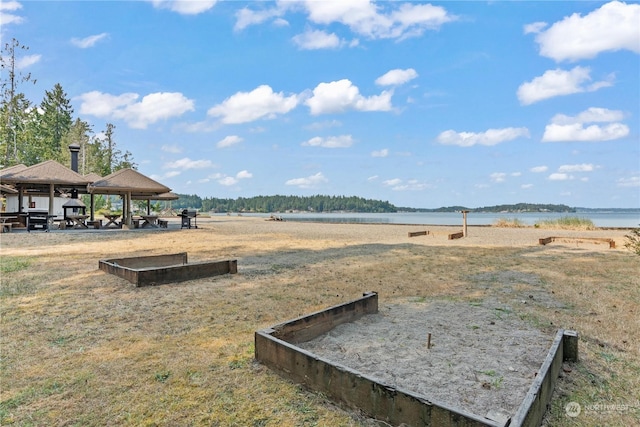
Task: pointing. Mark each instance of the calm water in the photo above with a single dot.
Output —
(600, 219)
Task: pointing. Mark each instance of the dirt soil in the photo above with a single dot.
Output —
(482, 356)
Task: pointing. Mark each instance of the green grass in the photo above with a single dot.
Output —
(10, 264)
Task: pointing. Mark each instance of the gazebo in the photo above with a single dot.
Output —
(131, 185)
(162, 197)
(43, 179)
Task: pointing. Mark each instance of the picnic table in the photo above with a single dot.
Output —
(79, 221)
(149, 221)
(112, 218)
(7, 222)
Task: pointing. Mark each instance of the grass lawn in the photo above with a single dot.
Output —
(79, 347)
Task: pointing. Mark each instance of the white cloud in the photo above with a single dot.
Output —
(557, 83)
(27, 61)
(489, 137)
(184, 7)
(363, 17)
(308, 182)
(373, 178)
(396, 77)
(340, 96)
(367, 18)
(316, 39)
(228, 181)
(560, 177)
(590, 115)
(228, 141)
(392, 182)
(498, 177)
(89, 41)
(138, 115)
(526, 186)
(534, 28)
(568, 128)
(614, 26)
(398, 184)
(380, 153)
(584, 167)
(7, 18)
(342, 141)
(539, 169)
(633, 181)
(174, 149)
(244, 174)
(246, 17)
(187, 163)
(260, 103)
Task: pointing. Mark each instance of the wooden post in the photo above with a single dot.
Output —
(464, 223)
(52, 194)
(570, 346)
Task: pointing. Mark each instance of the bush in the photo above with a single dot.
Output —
(633, 241)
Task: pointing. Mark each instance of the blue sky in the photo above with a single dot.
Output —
(421, 104)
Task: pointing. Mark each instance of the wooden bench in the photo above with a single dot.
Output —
(97, 224)
(458, 235)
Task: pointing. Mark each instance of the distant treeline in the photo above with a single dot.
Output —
(322, 203)
(267, 204)
(518, 207)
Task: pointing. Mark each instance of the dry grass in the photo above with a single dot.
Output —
(567, 223)
(79, 347)
(509, 223)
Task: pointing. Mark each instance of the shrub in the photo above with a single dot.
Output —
(633, 241)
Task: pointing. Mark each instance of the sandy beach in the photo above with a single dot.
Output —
(111, 347)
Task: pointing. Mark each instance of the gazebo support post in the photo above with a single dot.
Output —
(52, 194)
(92, 206)
(20, 199)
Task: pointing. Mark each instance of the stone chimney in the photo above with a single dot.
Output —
(74, 149)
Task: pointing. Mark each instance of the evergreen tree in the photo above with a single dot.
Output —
(55, 121)
(14, 104)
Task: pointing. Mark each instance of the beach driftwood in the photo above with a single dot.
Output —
(456, 235)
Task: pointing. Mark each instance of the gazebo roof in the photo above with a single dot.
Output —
(47, 172)
(163, 196)
(5, 189)
(128, 181)
(11, 170)
(93, 177)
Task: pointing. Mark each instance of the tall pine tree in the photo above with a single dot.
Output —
(55, 121)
